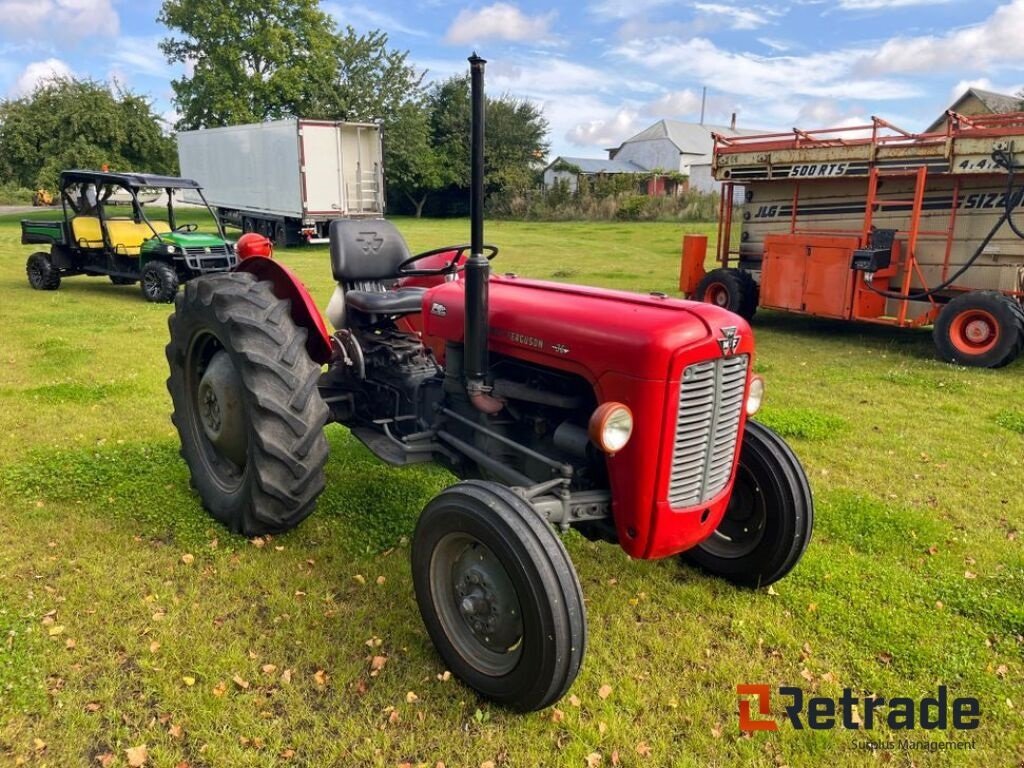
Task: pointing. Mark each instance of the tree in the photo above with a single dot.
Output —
(251, 60)
(515, 139)
(414, 167)
(70, 123)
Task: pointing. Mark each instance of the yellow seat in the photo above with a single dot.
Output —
(87, 232)
(126, 236)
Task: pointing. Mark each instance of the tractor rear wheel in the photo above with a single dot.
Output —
(499, 595)
(980, 328)
(769, 519)
(732, 289)
(159, 282)
(246, 404)
(41, 272)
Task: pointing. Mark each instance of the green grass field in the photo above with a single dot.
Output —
(129, 619)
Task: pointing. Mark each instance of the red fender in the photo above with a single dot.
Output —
(304, 311)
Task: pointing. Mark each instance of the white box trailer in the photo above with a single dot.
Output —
(287, 179)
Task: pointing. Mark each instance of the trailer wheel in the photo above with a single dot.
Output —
(980, 328)
(732, 289)
(246, 404)
(499, 595)
(769, 519)
(41, 272)
(159, 282)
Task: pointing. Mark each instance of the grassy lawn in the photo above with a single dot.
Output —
(129, 618)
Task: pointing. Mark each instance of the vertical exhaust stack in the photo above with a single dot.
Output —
(477, 267)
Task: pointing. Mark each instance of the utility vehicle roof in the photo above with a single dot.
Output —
(131, 180)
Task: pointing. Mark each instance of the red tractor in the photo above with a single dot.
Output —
(620, 415)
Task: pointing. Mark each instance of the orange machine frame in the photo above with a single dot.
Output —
(829, 250)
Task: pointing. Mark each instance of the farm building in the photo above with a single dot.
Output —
(670, 146)
(570, 169)
(975, 101)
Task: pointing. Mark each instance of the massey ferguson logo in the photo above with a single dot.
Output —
(730, 340)
(369, 242)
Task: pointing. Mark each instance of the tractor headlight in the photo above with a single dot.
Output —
(755, 395)
(611, 426)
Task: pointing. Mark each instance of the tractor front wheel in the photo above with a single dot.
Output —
(41, 272)
(246, 404)
(980, 328)
(159, 282)
(768, 522)
(499, 595)
(732, 289)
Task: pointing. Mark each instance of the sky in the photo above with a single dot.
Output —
(602, 70)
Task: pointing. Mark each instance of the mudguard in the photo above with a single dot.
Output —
(304, 311)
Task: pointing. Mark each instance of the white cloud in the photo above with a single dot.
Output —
(603, 132)
(617, 9)
(37, 73)
(737, 17)
(365, 17)
(819, 75)
(995, 43)
(674, 104)
(500, 21)
(62, 19)
(140, 56)
(874, 5)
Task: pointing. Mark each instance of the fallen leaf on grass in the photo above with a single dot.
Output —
(189, 681)
(288, 754)
(411, 698)
(381, 580)
(220, 689)
(716, 731)
(594, 759)
(257, 542)
(240, 682)
(175, 731)
(69, 644)
(557, 715)
(320, 677)
(970, 575)
(574, 700)
(269, 669)
(377, 664)
(154, 647)
(187, 559)
(137, 756)
(615, 757)
(54, 631)
(445, 676)
(38, 744)
(604, 691)
(93, 706)
(359, 578)
(286, 677)
(643, 749)
(487, 764)
(885, 658)
(105, 760)
(1001, 671)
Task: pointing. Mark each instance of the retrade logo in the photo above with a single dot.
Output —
(762, 694)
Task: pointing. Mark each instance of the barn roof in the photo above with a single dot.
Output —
(598, 165)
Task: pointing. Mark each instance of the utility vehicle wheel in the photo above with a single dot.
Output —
(159, 282)
(980, 328)
(42, 274)
(732, 289)
(499, 595)
(246, 404)
(768, 523)
(123, 280)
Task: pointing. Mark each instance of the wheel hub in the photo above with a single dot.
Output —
(486, 599)
(978, 331)
(221, 409)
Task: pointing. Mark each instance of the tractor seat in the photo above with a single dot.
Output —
(403, 301)
(365, 255)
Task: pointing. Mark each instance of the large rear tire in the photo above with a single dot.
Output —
(499, 596)
(246, 404)
(732, 289)
(769, 519)
(41, 272)
(980, 328)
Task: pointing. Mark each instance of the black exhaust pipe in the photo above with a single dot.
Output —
(477, 267)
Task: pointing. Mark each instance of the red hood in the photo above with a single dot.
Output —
(595, 329)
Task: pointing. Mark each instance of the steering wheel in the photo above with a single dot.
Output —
(405, 268)
(186, 228)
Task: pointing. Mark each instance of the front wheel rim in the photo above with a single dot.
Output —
(476, 604)
(718, 295)
(743, 526)
(152, 284)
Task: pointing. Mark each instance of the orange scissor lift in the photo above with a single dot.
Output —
(875, 224)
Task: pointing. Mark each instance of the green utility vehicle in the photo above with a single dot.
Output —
(95, 238)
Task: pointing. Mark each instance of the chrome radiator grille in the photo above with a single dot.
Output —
(707, 429)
